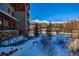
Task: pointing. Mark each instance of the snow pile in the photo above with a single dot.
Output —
(74, 45)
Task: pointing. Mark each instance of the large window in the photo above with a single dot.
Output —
(13, 14)
(1, 23)
(8, 10)
(12, 26)
(1, 6)
(6, 24)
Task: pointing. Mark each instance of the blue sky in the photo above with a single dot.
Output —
(54, 11)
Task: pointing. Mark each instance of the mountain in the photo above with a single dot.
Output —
(43, 21)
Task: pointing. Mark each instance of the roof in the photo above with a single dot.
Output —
(7, 14)
(68, 24)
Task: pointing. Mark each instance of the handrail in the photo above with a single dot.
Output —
(8, 30)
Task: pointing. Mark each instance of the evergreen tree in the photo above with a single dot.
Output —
(36, 33)
(48, 31)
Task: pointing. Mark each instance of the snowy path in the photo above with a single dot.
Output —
(29, 49)
(36, 49)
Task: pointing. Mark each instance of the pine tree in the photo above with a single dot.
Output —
(48, 31)
(36, 33)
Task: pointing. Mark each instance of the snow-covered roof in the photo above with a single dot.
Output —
(57, 22)
(8, 15)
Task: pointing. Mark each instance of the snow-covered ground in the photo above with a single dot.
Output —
(34, 47)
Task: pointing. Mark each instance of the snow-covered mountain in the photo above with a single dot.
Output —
(38, 21)
(43, 21)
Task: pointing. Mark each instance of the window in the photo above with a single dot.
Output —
(12, 13)
(6, 23)
(1, 20)
(28, 14)
(1, 6)
(8, 10)
(0, 23)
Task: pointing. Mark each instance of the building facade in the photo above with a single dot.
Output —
(75, 26)
(22, 13)
(13, 18)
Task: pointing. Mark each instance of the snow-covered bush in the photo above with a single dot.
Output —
(44, 40)
(46, 44)
(74, 45)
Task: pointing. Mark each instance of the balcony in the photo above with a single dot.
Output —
(8, 15)
(8, 30)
